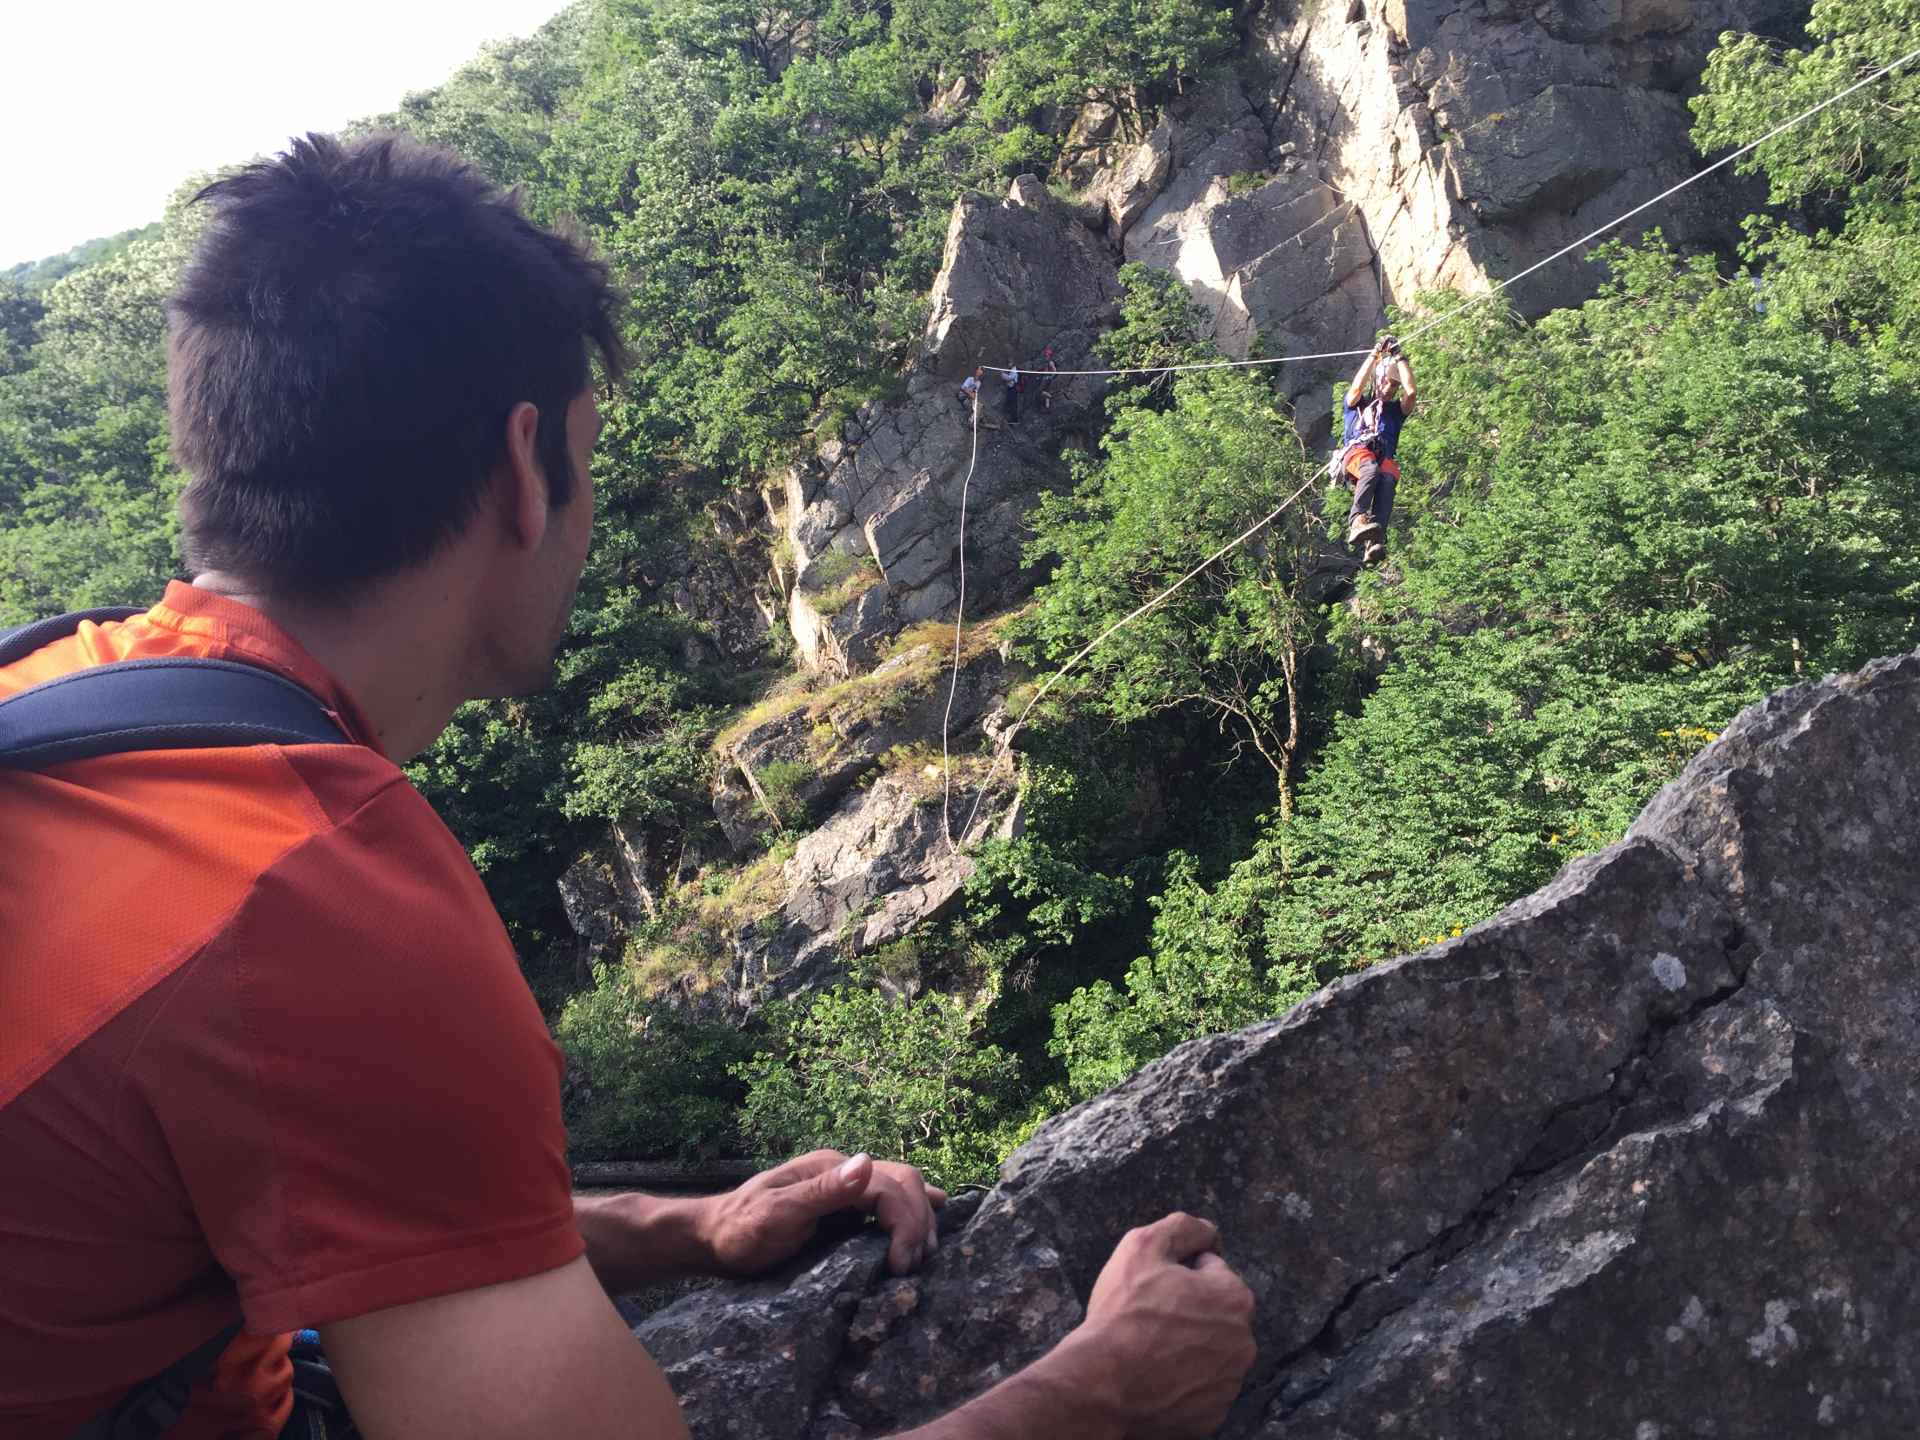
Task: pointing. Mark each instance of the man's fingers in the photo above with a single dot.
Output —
(802, 1167)
(827, 1184)
(1235, 1294)
(1180, 1236)
(904, 1210)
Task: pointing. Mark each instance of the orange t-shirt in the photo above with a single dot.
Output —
(265, 1054)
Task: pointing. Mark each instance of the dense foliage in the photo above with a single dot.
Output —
(1619, 524)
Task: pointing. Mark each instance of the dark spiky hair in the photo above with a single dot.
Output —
(354, 327)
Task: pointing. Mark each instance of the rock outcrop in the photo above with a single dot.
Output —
(857, 766)
(1633, 1158)
(881, 865)
(831, 742)
(1019, 275)
(605, 893)
(1393, 146)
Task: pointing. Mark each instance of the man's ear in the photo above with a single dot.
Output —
(521, 482)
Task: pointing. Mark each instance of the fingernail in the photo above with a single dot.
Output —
(933, 1242)
(849, 1167)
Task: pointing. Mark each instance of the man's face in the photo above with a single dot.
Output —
(572, 523)
(532, 621)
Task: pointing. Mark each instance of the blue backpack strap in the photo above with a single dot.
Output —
(162, 704)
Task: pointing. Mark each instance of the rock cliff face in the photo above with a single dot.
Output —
(1386, 147)
(1634, 1158)
(1357, 154)
(1477, 138)
(1018, 276)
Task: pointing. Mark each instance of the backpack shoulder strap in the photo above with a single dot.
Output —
(175, 703)
(154, 1406)
(162, 704)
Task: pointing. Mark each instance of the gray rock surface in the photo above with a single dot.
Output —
(605, 893)
(880, 865)
(1392, 146)
(840, 741)
(1633, 1158)
(1019, 275)
(1475, 139)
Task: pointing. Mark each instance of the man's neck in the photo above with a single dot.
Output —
(385, 651)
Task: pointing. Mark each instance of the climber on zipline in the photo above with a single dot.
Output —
(1377, 405)
(1050, 369)
(1012, 377)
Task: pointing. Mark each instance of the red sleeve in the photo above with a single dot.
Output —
(356, 1084)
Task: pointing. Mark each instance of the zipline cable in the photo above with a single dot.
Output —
(1006, 743)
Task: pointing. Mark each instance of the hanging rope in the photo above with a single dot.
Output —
(1005, 747)
(960, 609)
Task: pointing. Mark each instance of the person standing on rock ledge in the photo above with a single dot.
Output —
(304, 1082)
(1377, 404)
(970, 391)
(1012, 377)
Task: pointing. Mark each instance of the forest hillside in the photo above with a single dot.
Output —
(1640, 491)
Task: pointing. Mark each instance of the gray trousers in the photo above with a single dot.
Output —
(1373, 486)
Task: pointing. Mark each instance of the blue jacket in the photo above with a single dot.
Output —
(1376, 422)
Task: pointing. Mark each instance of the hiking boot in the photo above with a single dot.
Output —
(1361, 529)
(1375, 554)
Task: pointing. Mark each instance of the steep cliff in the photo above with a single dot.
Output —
(1350, 157)
(1629, 1159)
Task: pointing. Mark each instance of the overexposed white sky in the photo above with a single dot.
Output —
(107, 105)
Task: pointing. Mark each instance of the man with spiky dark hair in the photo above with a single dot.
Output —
(268, 1060)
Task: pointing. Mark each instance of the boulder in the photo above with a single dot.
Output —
(1633, 1158)
(836, 739)
(879, 866)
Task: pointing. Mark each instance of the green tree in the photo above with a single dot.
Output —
(1175, 487)
(86, 486)
(1206, 973)
(1866, 149)
(902, 1078)
(1124, 53)
(1855, 275)
(644, 1080)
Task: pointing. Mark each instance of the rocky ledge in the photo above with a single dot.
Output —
(1634, 1158)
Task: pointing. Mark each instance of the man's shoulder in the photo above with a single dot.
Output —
(390, 853)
